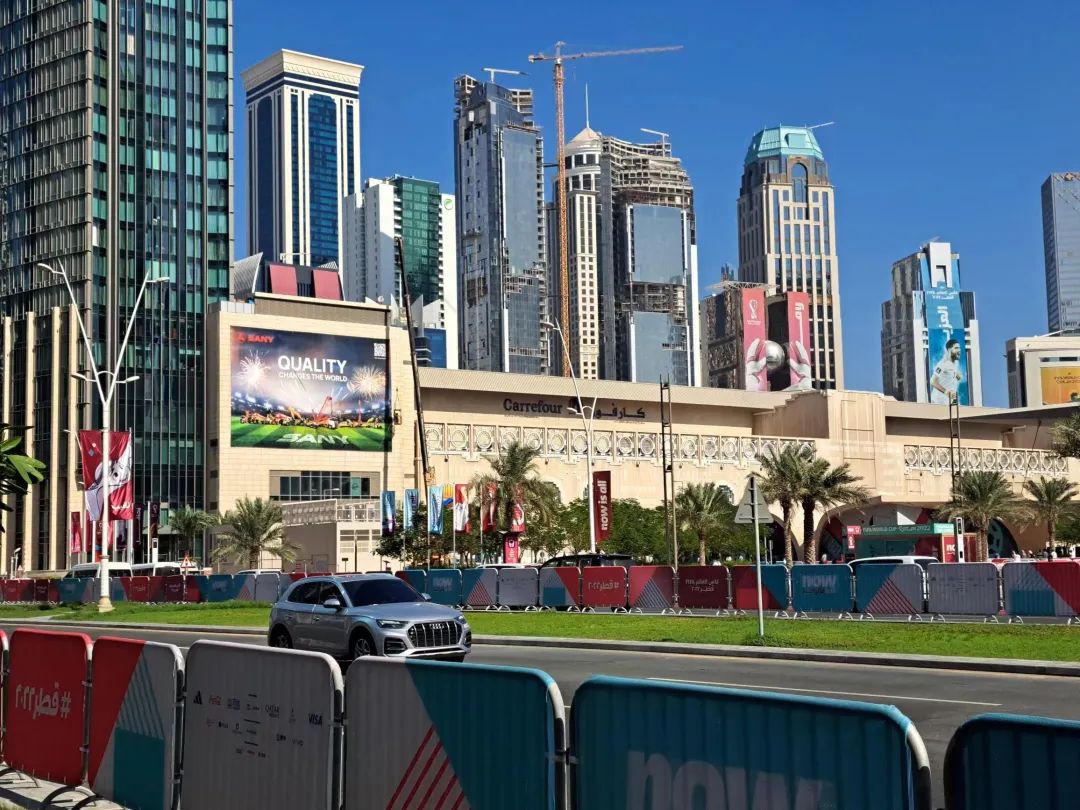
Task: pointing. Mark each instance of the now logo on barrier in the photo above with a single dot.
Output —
(651, 785)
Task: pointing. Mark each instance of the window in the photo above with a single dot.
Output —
(305, 593)
(798, 181)
(330, 591)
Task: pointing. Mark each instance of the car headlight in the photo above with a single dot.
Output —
(461, 619)
(390, 624)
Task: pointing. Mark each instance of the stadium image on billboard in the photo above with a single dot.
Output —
(309, 391)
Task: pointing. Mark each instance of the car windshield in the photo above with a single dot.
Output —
(363, 592)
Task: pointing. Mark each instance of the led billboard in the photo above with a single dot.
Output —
(947, 372)
(1060, 384)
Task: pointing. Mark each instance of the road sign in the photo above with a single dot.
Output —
(745, 512)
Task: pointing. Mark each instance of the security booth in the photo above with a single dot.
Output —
(922, 540)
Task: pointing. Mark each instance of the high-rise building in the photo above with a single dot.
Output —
(303, 141)
(502, 265)
(632, 265)
(929, 331)
(787, 236)
(116, 130)
(1043, 370)
(1061, 247)
(424, 217)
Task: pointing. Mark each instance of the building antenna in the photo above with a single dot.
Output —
(586, 105)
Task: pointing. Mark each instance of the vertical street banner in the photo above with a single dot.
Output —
(798, 318)
(154, 508)
(448, 496)
(489, 507)
(601, 493)
(76, 533)
(410, 508)
(389, 513)
(947, 372)
(755, 337)
(136, 527)
(511, 550)
(435, 509)
(517, 514)
(119, 468)
(90, 543)
(461, 508)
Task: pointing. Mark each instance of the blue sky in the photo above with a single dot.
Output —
(949, 116)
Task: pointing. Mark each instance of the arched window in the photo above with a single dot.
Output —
(798, 181)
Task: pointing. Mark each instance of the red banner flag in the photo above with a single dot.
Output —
(76, 532)
(517, 514)
(489, 508)
(601, 494)
(511, 550)
(461, 508)
(121, 495)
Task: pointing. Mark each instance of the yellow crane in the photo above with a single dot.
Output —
(558, 57)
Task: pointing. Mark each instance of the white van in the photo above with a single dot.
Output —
(93, 570)
(169, 569)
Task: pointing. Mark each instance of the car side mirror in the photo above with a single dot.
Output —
(427, 597)
(332, 603)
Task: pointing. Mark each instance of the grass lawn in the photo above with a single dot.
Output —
(236, 614)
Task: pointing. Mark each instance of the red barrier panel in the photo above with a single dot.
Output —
(703, 587)
(41, 590)
(192, 593)
(1064, 577)
(45, 705)
(744, 590)
(156, 589)
(174, 588)
(137, 589)
(652, 587)
(603, 586)
(15, 590)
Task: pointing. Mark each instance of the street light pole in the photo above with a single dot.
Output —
(587, 424)
(105, 395)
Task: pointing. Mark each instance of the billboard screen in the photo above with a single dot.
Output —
(947, 372)
(798, 347)
(309, 391)
(754, 338)
(1060, 384)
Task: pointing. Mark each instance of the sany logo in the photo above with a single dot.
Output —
(651, 785)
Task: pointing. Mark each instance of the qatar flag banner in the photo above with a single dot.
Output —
(121, 495)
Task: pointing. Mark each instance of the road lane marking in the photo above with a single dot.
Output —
(828, 692)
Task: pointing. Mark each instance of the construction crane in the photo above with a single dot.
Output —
(558, 58)
(492, 71)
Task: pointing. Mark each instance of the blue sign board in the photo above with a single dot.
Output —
(947, 366)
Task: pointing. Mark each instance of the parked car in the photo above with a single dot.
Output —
(356, 615)
(588, 559)
(93, 570)
(501, 566)
(169, 569)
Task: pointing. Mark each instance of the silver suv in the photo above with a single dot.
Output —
(367, 614)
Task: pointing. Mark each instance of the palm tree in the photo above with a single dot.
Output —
(826, 486)
(17, 471)
(979, 497)
(191, 523)
(782, 477)
(1066, 435)
(1053, 498)
(515, 474)
(252, 529)
(704, 510)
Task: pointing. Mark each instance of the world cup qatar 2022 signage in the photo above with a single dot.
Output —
(309, 391)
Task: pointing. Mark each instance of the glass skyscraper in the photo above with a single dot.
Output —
(115, 133)
(303, 130)
(1061, 246)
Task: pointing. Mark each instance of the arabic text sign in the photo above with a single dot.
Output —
(602, 504)
(703, 586)
(46, 705)
(603, 586)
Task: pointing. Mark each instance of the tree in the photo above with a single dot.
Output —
(18, 472)
(637, 531)
(825, 486)
(705, 511)
(191, 523)
(1066, 436)
(515, 472)
(979, 497)
(783, 474)
(253, 528)
(1053, 499)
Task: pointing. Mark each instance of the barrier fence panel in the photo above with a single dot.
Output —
(444, 586)
(134, 755)
(603, 586)
(18, 590)
(1009, 762)
(971, 588)
(640, 744)
(560, 586)
(267, 587)
(157, 589)
(45, 590)
(423, 734)
(821, 588)
(703, 587)
(774, 587)
(72, 589)
(244, 587)
(478, 587)
(216, 587)
(286, 706)
(415, 577)
(518, 587)
(175, 587)
(889, 589)
(45, 705)
(652, 587)
(1041, 588)
(136, 589)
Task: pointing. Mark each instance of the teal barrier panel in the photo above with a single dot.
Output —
(444, 586)
(428, 734)
(416, 577)
(641, 744)
(216, 587)
(821, 588)
(884, 589)
(1009, 762)
(71, 590)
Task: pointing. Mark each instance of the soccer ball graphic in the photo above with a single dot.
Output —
(775, 356)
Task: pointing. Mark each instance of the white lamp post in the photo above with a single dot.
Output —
(105, 394)
(586, 422)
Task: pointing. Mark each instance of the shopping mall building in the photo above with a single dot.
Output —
(313, 404)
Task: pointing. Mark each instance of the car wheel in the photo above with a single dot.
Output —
(281, 639)
(362, 645)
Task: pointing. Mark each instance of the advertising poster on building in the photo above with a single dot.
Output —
(309, 391)
(121, 493)
(1060, 384)
(800, 371)
(602, 504)
(754, 339)
(947, 373)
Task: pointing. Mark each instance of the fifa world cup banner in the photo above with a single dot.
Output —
(121, 492)
(754, 338)
(798, 317)
(309, 391)
(947, 371)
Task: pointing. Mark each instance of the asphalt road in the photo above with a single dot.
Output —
(937, 701)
